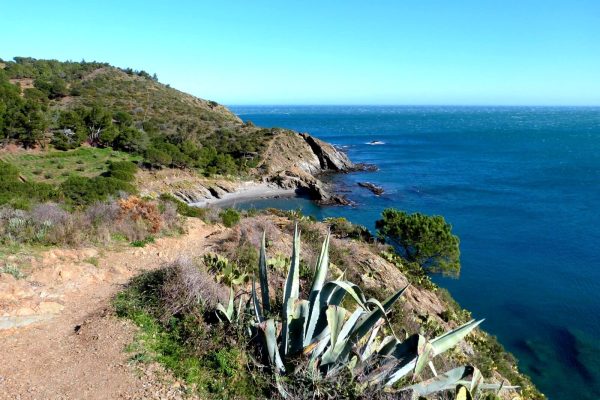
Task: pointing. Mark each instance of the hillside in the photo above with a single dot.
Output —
(98, 166)
(62, 309)
(49, 104)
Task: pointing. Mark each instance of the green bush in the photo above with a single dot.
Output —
(343, 228)
(184, 208)
(230, 217)
(19, 193)
(122, 170)
(79, 190)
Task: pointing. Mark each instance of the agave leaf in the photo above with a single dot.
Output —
(318, 347)
(401, 360)
(338, 351)
(371, 318)
(291, 291)
(476, 380)
(369, 348)
(288, 314)
(230, 304)
(320, 270)
(297, 325)
(350, 324)
(255, 303)
(451, 339)
(223, 312)
(425, 353)
(462, 393)
(315, 291)
(333, 293)
(441, 382)
(387, 345)
(366, 323)
(432, 368)
(238, 316)
(262, 275)
(292, 284)
(268, 327)
(335, 320)
(227, 312)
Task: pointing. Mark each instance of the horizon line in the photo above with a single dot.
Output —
(409, 105)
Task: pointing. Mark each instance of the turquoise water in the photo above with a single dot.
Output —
(521, 187)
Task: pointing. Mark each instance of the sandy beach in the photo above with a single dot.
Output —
(246, 191)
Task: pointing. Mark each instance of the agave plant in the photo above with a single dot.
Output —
(334, 339)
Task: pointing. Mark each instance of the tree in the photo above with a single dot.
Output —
(71, 130)
(157, 158)
(98, 120)
(123, 119)
(33, 125)
(427, 240)
(130, 140)
(54, 87)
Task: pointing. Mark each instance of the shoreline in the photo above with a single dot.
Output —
(247, 191)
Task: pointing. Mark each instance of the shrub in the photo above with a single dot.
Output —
(19, 193)
(122, 170)
(343, 228)
(146, 212)
(79, 190)
(230, 217)
(182, 207)
(189, 286)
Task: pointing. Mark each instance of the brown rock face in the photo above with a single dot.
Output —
(295, 161)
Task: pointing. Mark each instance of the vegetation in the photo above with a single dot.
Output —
(75, 190)
(343, 228)
(54, 167)
(230, 217)
(183, 208)
(73, 103)
(174, 309)
(337, 341)
(50, 224)
(423, 239)
(322, 350)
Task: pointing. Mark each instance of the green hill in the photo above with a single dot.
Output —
(67, 104)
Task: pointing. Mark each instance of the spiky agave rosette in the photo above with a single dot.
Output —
(334, 340)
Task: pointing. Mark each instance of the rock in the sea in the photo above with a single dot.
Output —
(364, 167)
(377, 190)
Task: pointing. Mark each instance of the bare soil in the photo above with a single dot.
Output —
(76, 349)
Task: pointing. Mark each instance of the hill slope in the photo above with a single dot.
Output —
(69, 104)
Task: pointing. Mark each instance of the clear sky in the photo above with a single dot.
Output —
(329, 52)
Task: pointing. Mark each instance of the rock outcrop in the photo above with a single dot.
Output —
(296, 161)
(376, 190)
(292, 161)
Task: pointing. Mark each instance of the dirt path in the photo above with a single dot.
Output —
(58, 337)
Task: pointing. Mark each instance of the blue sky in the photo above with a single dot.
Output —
(330, 52)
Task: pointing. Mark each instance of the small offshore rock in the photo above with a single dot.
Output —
(364, 167)
(377, 190)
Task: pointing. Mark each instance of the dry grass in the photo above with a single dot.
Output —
(49, 224)
(188, 285)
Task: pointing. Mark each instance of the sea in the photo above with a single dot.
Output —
(520, 187)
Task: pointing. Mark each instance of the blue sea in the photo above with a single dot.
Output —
(521, 188)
